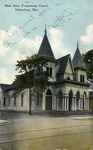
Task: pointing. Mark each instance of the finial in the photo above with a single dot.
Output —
(45, 29)
(77, 44)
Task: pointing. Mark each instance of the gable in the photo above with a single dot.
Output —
(69, 67)
(62, 63)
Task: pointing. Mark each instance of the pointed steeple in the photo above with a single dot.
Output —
(45, 48)
(77, 59)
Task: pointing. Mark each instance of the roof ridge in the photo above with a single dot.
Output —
(59, 59)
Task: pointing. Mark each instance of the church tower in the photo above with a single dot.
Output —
(79, 66)
(46, 52)
(45, 49)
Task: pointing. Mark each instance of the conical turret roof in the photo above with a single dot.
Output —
(77, 59)
(45, 48)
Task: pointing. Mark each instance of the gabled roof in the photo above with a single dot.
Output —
(7, 87)
(45, 48)
(77, 59)
(62, 64)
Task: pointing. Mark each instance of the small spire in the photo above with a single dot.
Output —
(45, 29)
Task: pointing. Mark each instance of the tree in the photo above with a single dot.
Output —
(31, 75)
(88, 59)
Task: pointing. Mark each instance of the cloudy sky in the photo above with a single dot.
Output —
(22, 25)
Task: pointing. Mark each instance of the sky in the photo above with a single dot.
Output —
(22, 25)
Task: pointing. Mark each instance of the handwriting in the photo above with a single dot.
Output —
(27, 22)
(27, 33)
(20, 28)
(66, 14)
(16, 31)
(58, 4)
(8, 44)
(13, 33)
(43, 13)
(58, 20)
(35, 28)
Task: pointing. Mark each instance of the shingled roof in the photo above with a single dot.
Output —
(77, 59)
(45, 48)
(7, 87)
(62, 64)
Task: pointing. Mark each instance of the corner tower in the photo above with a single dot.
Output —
(45, 48)
(79, 66)
(77, 59)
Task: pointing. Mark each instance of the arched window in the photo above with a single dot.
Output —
(70, 99)
(48, 92)
(68, 78)
(84, 99)
(48, 100)
(9, 101)
(22, 97)
(15, 101)
(4, 101)
(37, 97)
(77, 100)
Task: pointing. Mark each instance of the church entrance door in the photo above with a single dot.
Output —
(48, 100)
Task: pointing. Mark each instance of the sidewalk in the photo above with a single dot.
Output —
(7, 115)
(3, 122)
(59, 113)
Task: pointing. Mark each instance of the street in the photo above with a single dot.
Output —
(20, 131)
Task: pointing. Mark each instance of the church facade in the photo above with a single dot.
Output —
(69, 90)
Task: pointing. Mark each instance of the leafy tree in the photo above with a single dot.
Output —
(31, 75)
(88, 59)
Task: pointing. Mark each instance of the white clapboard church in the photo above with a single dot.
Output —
(68, 90)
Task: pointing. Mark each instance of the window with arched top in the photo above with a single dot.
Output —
(70, 99)
(84, 100)
(77, 100)
(48, 100)
(68, 78)
(38, 97)
(48, 92)
(4, 101)
(15, 101)
(9, 101)
(22, 97)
